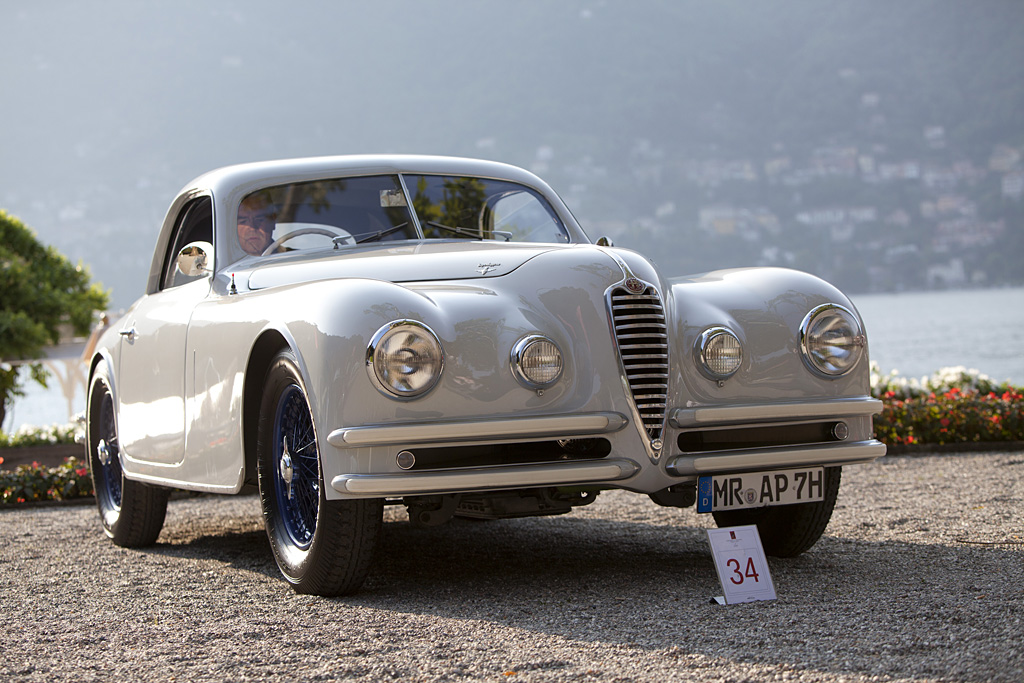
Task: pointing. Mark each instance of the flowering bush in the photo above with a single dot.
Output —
(955, 405)
(895, 386)
(52, 435)
(35, 482)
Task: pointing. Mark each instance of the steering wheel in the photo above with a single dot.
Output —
(327, 231)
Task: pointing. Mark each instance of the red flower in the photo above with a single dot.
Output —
(944, 422)
(81, 471)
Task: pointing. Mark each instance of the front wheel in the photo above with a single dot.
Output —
(132, 513)
(788, 530)
(323, 547)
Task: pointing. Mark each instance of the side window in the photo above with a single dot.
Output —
(195, 224)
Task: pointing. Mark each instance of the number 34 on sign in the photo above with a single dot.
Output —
(741, 565)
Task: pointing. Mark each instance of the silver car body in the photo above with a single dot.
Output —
(188, 361)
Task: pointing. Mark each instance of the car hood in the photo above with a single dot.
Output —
(407, 262)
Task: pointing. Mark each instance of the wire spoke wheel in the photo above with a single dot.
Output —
(296, 470)
(109, 457)
(321, 546)
(132, 513)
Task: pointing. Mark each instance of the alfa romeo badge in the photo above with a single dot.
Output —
(634, 285)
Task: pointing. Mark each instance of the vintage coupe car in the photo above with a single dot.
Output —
(345, 333)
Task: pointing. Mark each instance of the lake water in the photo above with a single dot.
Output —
(915, 333)
(918, 333)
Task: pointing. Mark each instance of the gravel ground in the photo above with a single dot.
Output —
(920, 577)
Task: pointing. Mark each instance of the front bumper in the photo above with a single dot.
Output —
(626, 466)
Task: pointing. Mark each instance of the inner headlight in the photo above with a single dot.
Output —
(831, 340)
(404, 359)
(536, 361)
(720, 353)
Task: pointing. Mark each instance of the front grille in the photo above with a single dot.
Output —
(642, 337)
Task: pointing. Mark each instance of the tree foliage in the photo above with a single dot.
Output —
(41, 294)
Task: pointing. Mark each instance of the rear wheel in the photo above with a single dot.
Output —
(321, 546)
(788, 530)
(132, 513)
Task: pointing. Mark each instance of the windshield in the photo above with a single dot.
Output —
(482, 209)
(321, 213)
(347, 211)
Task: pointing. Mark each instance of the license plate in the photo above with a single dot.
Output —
(759, 489)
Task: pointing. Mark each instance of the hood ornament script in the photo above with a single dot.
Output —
(485, 268)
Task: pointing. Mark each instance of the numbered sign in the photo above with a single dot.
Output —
(739, 560)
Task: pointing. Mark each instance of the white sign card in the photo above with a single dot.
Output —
(741, 565)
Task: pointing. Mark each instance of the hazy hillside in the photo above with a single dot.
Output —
(861, 140)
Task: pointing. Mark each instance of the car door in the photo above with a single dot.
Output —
(154, 363)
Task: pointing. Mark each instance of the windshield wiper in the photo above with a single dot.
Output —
(381, 233)
(467, 232)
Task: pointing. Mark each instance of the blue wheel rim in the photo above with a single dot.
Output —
(110, 471)
(298, 500)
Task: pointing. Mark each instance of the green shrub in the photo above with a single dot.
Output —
(955, 405)
(28, 483)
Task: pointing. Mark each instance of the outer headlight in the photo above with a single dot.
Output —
(831, 340)
(404, 359)
(536, 361)
(719, 353)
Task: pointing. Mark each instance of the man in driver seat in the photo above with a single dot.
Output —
(257, 219)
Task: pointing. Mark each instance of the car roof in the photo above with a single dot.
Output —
(263, 173)
(227, 185)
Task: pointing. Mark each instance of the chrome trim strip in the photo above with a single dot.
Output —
(694, 417)
(514, 428)
(484, 478)
(724, 461)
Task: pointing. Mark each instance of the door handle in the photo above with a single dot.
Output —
(129, 334)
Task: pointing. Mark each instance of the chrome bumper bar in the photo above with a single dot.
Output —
(767, 412)
(735, 461)
(484, 478)
(521, 428)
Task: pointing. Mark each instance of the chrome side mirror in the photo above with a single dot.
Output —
(194, 259)
(605, 242)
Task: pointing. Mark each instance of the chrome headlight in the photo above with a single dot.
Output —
(404, 359)
(719, 353)
(831, 340)
(536, 361)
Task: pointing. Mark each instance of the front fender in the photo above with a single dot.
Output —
(764, 307)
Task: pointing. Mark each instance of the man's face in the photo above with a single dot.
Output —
(255, 227)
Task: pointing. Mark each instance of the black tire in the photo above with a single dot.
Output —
(322, 547)
(132, 513)
(788, 530)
